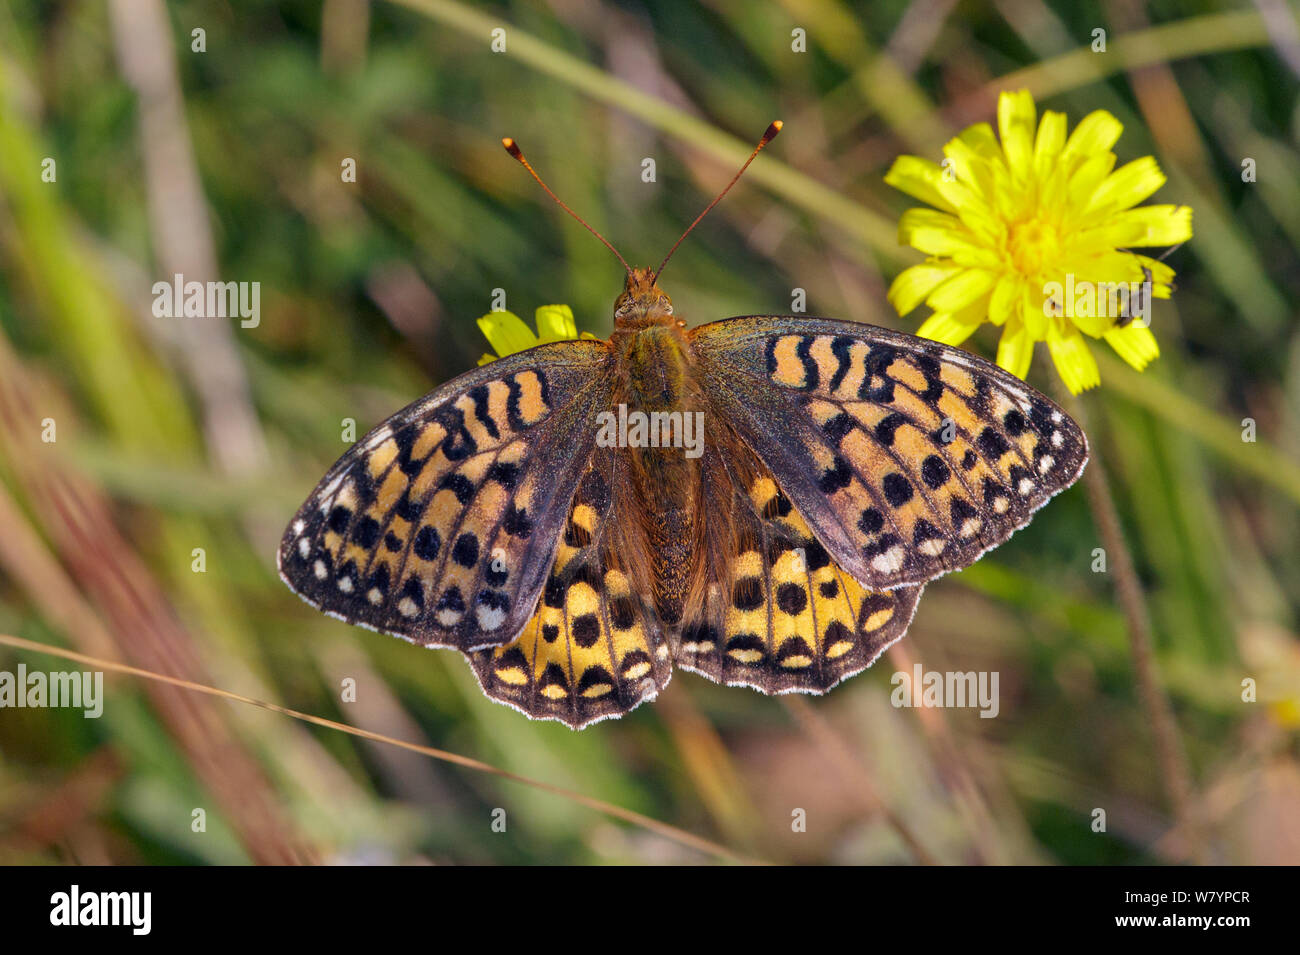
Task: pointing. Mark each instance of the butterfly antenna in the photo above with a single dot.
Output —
(513, 149)
(768, 136)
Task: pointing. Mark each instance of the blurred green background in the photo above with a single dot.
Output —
(176, 435)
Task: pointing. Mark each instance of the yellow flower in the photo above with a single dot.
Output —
(507, 333)
(1018, 225)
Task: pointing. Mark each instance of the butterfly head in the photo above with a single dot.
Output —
(642, 302)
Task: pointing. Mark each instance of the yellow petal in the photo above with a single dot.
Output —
(942, 235)
(1016, 119)
(1103, 320)
(506, 332)
(1156, 225)
(1049, 142)
(920, 179)
(1074, 362)
(1136, 345)
(1033, 309)
(1112, 265)
(1015, 349)
(981, 220)
(1088, 178)
(913, 284)
(947, 328)
(961, 290)
(979, 137)
(555, 323)
(1005, 300)
(1096, 133)
(1128, 185)
(930, 231)
(962, 197)
(486, 359)
(971, 166)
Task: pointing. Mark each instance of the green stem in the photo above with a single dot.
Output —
(1170, 753)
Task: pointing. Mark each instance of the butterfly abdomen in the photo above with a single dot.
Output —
(655, 380)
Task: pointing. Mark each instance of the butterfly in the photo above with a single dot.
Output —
(759, 500)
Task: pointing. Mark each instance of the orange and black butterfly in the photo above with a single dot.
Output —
(515, 515)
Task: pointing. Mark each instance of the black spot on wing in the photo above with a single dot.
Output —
(898, 489)
(811, 375)
(459, 485)
(479, 395)
(929, 366)
(517, 523)
(840, 346)
(366, 533)
(426, 543)
(504, 473)
(465, 550)
(876, 385)
(992, 443)
(887, 426)
(934, 472)
(838, 476)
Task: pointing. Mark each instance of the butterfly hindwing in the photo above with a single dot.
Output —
(782, 616)
(440, 524)
(906, 457)
(594, 648)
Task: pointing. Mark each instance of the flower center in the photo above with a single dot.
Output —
(1032, 245)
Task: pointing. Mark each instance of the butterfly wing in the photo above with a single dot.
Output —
(781, 615)
(907, 458)
(594, 649)
(440, 524)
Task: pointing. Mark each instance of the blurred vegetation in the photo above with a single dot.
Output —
(181, 434)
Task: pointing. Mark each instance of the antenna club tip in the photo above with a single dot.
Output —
(772, 130)
(512, 147)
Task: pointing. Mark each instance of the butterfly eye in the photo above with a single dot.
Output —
(666, 306)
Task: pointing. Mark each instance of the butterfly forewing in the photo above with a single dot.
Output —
(907, 458)
(440, 524)
(594, 649)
